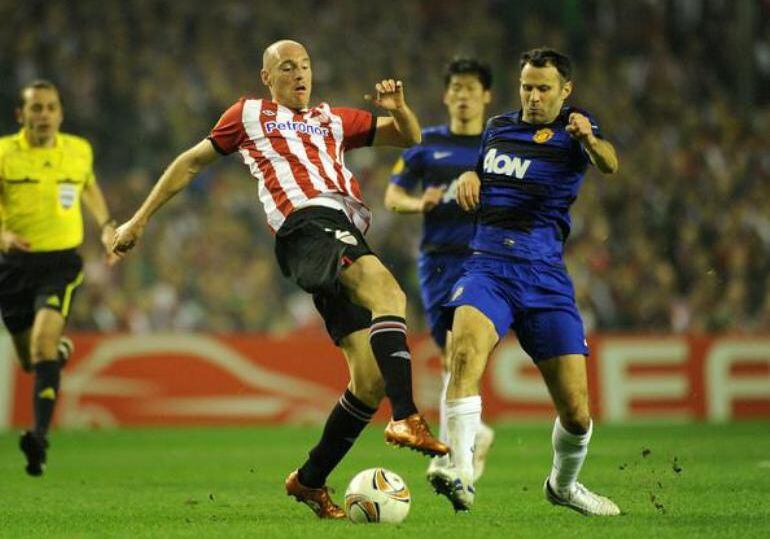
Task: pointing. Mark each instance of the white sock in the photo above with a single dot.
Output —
(463, 418)
(569, 453)
(443, 432)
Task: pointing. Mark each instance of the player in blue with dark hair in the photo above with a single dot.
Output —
(434, 166)
(529, 171)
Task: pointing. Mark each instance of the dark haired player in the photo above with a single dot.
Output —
(530, 169)
(434, 166)
(44, 176)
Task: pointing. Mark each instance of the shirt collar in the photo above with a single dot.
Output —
(24, 141)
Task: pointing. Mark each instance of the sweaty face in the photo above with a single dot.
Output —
(543, 92)
(465, 97)
(41, 115)
(289, 77)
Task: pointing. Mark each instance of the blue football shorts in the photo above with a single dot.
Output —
(535, 299)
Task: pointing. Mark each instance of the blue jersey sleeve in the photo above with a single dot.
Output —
(408, 170)
(482, 148)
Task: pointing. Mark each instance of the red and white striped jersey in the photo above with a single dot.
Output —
(294, 156)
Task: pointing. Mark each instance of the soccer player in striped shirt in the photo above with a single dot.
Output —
(446, 151)
(313, 203)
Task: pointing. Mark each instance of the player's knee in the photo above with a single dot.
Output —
(391, 298)
(576, 420)
(43, 347)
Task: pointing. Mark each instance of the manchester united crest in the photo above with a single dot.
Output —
(542, 136)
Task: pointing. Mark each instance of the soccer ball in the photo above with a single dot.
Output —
(377, 495)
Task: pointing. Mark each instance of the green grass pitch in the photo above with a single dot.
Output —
(671, 481)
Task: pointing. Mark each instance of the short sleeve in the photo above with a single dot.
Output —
(408, 170)
(229, 133)
(89, 152)
(358, 127)
(482, 149)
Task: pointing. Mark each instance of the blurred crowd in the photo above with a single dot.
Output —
(678, 240)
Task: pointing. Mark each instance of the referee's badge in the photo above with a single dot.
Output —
(543, 135)
(67, 194)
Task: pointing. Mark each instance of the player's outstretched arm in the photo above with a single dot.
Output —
(601, 152)
(175, 178)
(401, 128)
(93, 199)
(399, 200)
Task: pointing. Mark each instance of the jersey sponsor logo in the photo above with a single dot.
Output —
(300, 127)
(402, 354)
(441, 155)
(505, 165)
(542, 136)
(268, 112)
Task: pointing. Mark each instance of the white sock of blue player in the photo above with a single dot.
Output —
(569, 453)
(463, 419)
(443, 432)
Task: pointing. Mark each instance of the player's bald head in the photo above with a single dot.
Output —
(280, 49)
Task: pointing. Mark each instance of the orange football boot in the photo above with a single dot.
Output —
(413, 432)
(317, 499)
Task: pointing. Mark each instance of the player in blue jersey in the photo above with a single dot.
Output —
(433, 168)
(530, 168)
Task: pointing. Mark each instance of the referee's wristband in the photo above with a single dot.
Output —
(109, 222)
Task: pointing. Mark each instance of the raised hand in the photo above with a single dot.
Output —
(579, 127)
(390, 95)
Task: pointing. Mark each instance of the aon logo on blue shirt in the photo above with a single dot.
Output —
(505, 164)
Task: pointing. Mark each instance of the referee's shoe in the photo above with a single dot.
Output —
(34, 447)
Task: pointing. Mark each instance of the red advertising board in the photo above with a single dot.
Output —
(181, 379)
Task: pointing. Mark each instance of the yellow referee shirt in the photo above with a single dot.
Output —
(41, 187)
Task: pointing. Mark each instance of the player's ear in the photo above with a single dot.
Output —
(487, 97)
(265, 76)
(19, 118)
(566, 89)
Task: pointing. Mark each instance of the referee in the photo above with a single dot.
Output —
(44, 174)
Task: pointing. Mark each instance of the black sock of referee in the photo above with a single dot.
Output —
(387, 336)
(45, 393)
(345, 423)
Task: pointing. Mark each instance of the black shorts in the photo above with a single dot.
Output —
(313, 246)
(32, 281)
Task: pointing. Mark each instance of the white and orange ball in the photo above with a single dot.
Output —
(377, 495)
